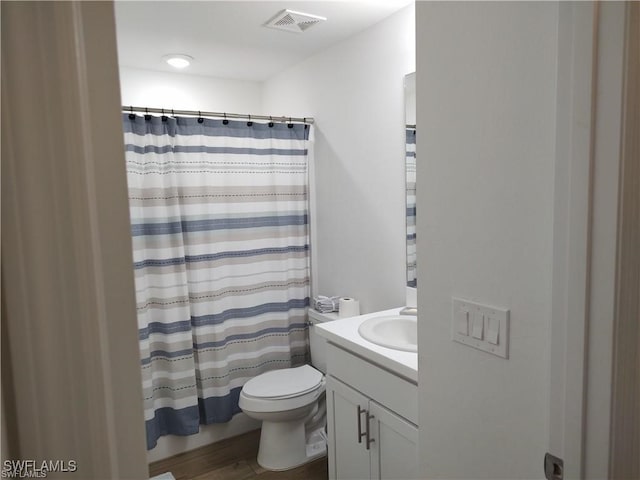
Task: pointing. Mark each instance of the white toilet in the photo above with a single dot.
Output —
(290, 403)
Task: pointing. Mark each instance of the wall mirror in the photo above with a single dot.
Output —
(410, 167)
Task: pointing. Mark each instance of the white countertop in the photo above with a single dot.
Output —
(344, 333)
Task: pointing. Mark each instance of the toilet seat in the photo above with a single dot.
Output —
(284, 383)
(281, 390)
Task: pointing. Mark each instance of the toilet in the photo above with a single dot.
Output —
(290, 402)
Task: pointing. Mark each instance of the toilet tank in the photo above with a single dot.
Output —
(318, 344)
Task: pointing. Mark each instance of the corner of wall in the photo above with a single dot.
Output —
(354, 90)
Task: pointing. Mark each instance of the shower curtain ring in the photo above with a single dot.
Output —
(164, 117)
(225, 121)
(200, 119)
(249, 123)
(270, 121)
(290, 125)
(147, 117)
(132, 116)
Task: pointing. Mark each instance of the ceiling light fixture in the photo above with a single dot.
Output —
(178, 60)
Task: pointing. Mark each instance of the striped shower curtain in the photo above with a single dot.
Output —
(410, 163)
(221, 256)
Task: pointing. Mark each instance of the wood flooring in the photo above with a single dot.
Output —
(232, 459)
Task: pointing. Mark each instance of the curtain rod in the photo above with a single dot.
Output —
(197, 113)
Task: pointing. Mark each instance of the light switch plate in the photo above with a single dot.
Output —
(489, 343)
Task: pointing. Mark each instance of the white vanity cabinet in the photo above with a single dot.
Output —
(371, 420)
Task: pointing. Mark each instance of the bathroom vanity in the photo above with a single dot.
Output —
(372, 404)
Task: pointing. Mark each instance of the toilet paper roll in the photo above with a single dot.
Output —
(349, 307)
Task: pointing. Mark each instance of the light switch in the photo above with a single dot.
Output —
(462, 322)
(494, 330)
(478, 325)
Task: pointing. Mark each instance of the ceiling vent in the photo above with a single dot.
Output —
(291, 21)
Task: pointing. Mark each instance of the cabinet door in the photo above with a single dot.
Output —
(348, 457)
(394, 453)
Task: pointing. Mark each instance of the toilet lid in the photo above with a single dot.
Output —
(287, 382)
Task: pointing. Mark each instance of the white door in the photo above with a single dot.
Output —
(348, 456)
(394, 451)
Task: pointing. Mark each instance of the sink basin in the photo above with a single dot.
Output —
(399, 332)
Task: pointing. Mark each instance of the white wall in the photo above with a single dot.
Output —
(354, 90)
(486, 81)
(148, 88)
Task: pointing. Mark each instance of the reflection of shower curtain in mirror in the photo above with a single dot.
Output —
(221, 255)
(410, 163)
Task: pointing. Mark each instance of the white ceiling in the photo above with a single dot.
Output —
(227, 38)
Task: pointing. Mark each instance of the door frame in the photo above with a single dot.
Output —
(573, 193)
(74, 391)
(625, 408)
(594, 323)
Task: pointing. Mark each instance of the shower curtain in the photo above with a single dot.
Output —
(410, 163)
(221, 257)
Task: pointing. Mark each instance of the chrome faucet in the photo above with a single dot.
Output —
(409, 311)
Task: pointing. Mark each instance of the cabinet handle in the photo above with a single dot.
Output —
(360, 433)
(369, 439)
